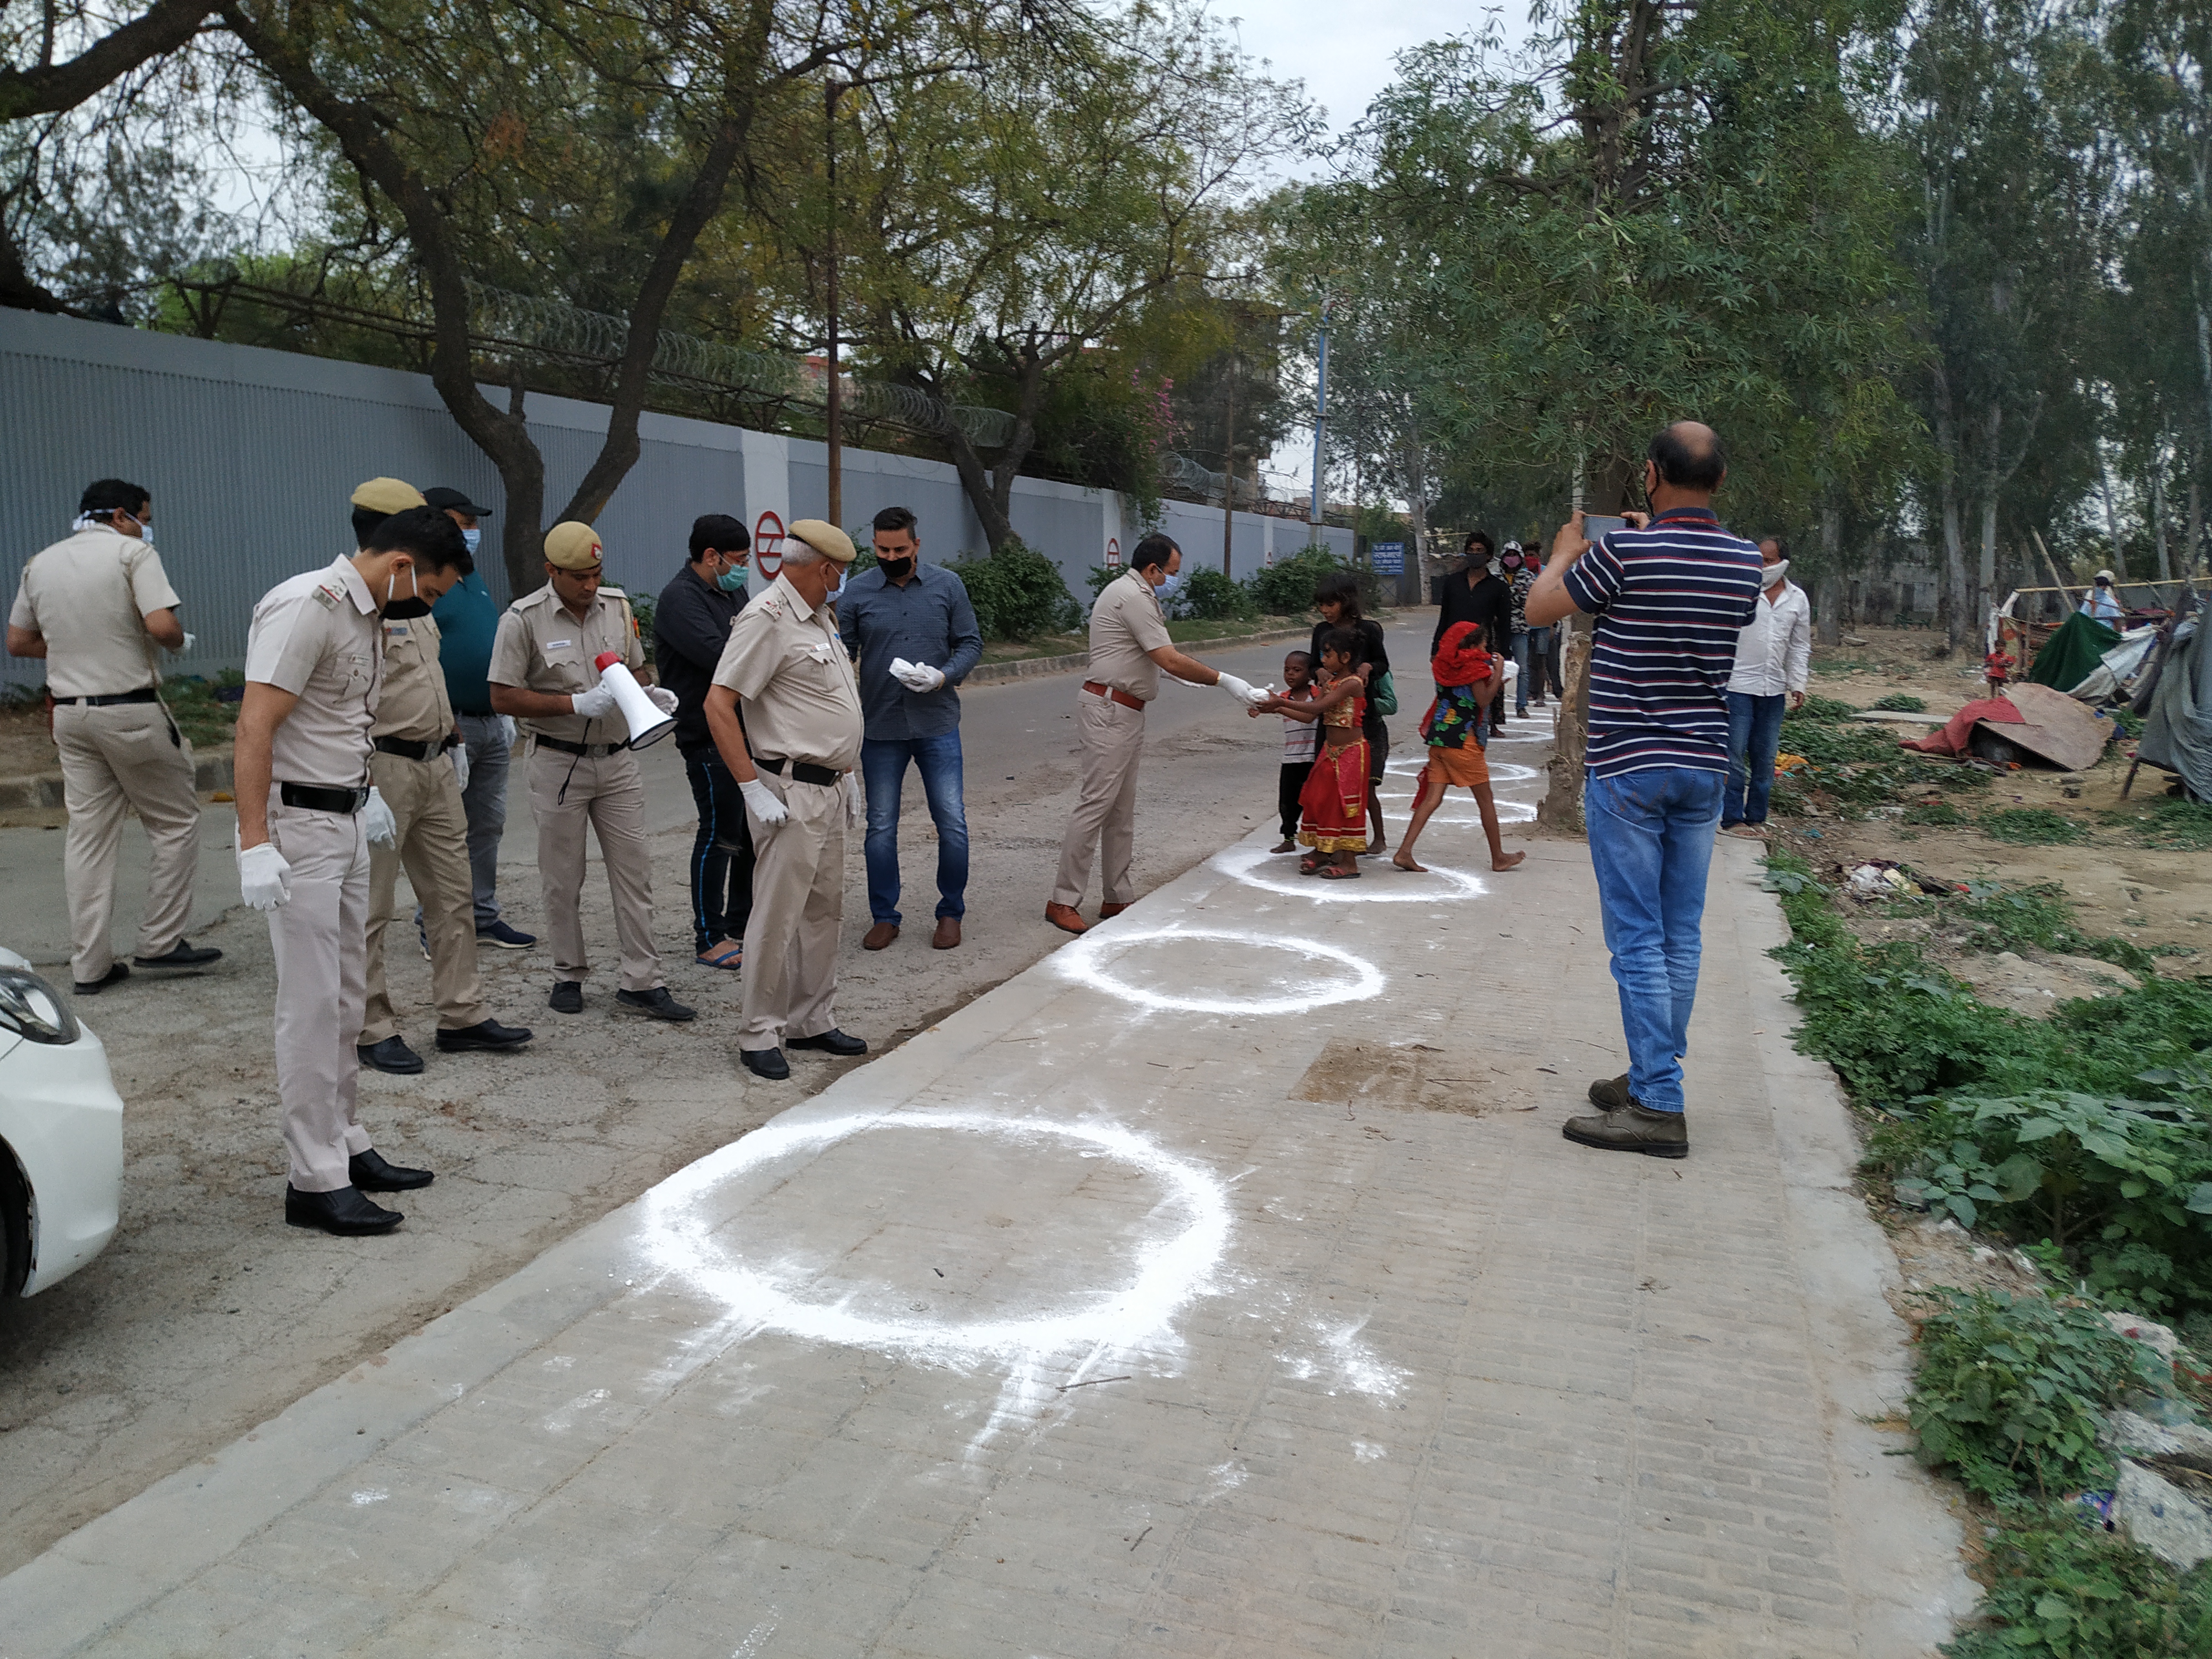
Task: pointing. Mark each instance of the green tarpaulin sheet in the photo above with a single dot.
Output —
(2076, 651)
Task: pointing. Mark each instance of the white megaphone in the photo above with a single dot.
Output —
(646, 723)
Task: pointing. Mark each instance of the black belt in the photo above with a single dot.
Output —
(408, 749)
(587, 750)
(144, 694)
(801, 771)
(322, 797)
(478, 713)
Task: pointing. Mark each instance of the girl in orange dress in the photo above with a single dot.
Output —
(1333, 806)
(1467, 674)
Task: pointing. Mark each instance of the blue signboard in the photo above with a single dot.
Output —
(1388, 558)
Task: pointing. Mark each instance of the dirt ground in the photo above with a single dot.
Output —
(208, 1316)
(2152, 896)
(25, 746)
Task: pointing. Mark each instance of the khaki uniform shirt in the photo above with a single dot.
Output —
(413, 702)
(89, 597)
(541, 647)
(1126, 622)
(801, 701)
(315, 636)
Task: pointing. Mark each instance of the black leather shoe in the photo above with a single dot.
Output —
(116, 975)
(831, 1041)
(486, 1034)
(568, 997)
(181, 955)
(655, 1004)
(766, 1062)
(372, 1174)
(393, 1056)
(344, 1213)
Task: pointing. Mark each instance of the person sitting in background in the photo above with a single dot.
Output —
(1468, 676)
(1301, 742)
(2101, 602)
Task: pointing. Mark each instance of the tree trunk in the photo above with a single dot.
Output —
(2196, 529)
(1827, 606)
(1950, 590)
(2158, 520)
(990, 489)
(1562, 806)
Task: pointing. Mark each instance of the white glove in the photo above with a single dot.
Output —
(461, 765)
(507, 731)
(1512, 673)
(262, 876)
(592, 704)
(183, 648)
(917, 677)
(1242, 690)
(663, 698)
(856, 811)
(377, 821)
(763, 802)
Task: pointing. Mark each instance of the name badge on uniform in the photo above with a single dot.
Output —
(556, 645)
(326, 598)
(395, 630)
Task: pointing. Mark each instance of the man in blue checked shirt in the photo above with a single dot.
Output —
(1670, 595)
(913, 632)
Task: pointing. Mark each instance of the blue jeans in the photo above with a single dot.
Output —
(1754, 739)
(1651, 842)
(882, 768)
(721, 853)
(1523, 643)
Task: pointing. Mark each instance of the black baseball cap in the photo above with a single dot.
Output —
(451, 501)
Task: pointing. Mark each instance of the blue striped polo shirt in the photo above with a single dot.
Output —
(1670, 601)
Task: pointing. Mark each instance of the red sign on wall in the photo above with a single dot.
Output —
(767, 545)
(1113, 552)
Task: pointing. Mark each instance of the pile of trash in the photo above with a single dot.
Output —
(2162, 1499)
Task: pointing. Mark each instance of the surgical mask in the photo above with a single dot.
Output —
(145, 529)
(397, 609)
(472, 540)
(1167, 588)
(897, 570)
(1774, 573)
(731, 580)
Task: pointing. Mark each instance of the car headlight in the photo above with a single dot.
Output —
(32, 1008)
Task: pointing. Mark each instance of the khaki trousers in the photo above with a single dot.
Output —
(321, 935)
(125, 755)
(567, 791)
(799, 901)
(425, 799)
(1113, 738)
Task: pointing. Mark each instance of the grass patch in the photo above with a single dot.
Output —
(200, 715)
(2031, 826)
(1935, 811)
(2168, 822)
(1902, 702)
(1855, 764)
(1848, 666)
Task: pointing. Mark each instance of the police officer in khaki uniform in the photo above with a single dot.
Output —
(1129, 645)
(418, 767)
(94, 606)
(544, 673)
(306, 814)
(786, 667)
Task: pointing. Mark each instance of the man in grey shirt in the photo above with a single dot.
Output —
(913, 632)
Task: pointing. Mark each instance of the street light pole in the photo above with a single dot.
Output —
(1229, 467)
(1321, 415)
(835, 430)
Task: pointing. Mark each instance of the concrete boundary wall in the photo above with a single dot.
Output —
(251, 454)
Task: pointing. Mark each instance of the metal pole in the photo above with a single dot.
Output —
(1229, 466)
(1321, 413)
(836, 425)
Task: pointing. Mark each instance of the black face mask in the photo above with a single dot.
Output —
(399, 610)
(897, 570)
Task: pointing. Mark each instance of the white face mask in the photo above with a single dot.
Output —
(1774, 573)
(145, 529)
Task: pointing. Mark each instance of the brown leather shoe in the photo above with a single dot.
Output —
(878, 937)
(1632, 1129)
(1066, 918)
(947, 936)
(1106, 911)
(1609, 1094)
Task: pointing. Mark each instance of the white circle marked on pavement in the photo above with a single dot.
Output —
(1092, 959)
(1378, 885)
(692, 1236)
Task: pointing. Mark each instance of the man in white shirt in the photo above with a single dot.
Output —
(2101, 602)
(1773, 657)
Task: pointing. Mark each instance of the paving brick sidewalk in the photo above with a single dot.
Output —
(1090, 1324)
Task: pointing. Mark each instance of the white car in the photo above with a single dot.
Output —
(61, 1136)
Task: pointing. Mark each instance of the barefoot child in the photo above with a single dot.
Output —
(1334, 799)
(1467, 679)
(1301, 742)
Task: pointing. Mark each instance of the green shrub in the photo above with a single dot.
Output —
(1901, 702)
(2062, 1588)
(1286, 588)
(1018, 594)
(2011, 1392)
(1935, 811)
(1212, 597)
(1099, 576)
(1824, 709)
(2030, 826)
(200, 715)
(2168, 822)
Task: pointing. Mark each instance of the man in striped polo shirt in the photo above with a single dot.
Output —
(1670, 596)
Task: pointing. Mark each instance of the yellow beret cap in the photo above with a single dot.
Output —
(824, 539)
(571, 546)
(388, 495)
